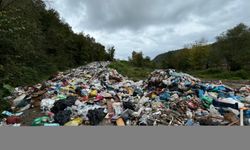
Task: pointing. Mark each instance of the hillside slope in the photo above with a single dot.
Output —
(230, 52)
(35, 43)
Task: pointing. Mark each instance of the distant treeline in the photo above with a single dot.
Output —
(230, 52)
(35, 42)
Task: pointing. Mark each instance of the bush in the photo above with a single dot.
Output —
(132, 72)
(242, 74)
(222, 74)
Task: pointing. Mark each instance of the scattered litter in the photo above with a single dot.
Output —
(97, 95)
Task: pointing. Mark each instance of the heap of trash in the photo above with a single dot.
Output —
(97, 95)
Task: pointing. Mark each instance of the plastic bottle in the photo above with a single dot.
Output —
(7, 113)
(51, 125)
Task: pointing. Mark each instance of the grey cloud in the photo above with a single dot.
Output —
(137, 14)
(153, 26)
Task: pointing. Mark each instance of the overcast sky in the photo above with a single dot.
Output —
(152, 26)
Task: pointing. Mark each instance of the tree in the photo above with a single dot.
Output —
(5, 3)
(234, 45)
(138, 60)
(111, 53)
(199, 55)
(35, 43)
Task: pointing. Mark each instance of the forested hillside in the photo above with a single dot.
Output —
(231, 53)
(35, 43)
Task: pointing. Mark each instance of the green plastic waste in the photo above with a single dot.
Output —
(61, 97)
(206, 101)
(40, 121)
(51, 125)
(166, 104)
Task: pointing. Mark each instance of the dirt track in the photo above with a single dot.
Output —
(232, 83)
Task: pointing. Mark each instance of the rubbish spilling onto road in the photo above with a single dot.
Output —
(97, 95)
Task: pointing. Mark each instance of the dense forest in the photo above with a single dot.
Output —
(230, 52)
(35, 43)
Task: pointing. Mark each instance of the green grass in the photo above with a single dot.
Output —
(220, 74)
(139, 73)
(127, 69)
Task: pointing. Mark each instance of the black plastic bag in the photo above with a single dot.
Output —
(62, 117)
(96, 116)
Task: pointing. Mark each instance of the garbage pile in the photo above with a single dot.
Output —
(97, 95)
